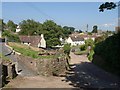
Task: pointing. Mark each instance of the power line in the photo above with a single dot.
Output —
(41, 12)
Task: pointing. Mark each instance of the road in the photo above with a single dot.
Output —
(85, 74)
(25, 71)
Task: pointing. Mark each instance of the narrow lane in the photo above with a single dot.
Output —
(85, 74)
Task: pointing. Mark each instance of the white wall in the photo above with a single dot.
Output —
(42, 42)
(75, 43)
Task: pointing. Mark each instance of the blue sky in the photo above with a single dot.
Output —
(76, 14)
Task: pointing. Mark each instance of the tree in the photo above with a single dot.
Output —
(2, 25)
(11, 25)
(52, 33)
(95, 29)
(29, 27)
(68, 30)
(107, 6)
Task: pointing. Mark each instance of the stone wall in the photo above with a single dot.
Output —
(49, 67)
(8, 72)
(46, 67)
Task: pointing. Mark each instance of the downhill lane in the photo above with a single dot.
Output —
(24, 70)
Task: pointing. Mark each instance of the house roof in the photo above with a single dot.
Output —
(77, 38)
(34, 40)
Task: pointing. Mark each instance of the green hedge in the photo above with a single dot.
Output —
(110, 51)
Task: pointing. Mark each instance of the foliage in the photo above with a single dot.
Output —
(52, 32)
(107, 6)
(109, 50)
(81, 52)
(11, 26)
(83, 47)
(95, 29)
(68, 30)
(90, 56)
(89, 33)
(10, 37)
(67, 49)
(2, 25)
(4, 58)
(89, 42)
(101, 38)
(27, 51)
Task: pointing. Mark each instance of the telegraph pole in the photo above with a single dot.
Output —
(87, 28)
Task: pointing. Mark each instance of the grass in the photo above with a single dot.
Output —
(26, 51)
(81, 52)
(4, 58)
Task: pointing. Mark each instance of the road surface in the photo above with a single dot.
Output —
(24, 70)
(85, 74)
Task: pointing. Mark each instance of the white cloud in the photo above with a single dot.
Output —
(108, 24)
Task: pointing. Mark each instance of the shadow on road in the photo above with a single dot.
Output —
(87, 76)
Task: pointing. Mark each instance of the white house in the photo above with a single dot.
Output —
(18, 29)
(35, 41)
(75, 40)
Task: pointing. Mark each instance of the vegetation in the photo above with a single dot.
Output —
(67, 49)
(90, 56)
(52, 32)
(10, 36)
(4, 58)
(107, 6)
(109, 50)
(81, 52)
(11, 26)
(25, 50)
(95, 29)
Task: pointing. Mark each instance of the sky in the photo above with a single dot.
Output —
(75, 14)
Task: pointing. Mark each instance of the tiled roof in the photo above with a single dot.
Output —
(34, 40)
(77, 38)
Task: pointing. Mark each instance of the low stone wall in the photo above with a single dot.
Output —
(49, 67)
(46, 67)
(8, 72)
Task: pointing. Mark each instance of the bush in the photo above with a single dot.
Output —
(90, 56)
(109, 50)
(83, 47)
(11, 37)
(67, 49)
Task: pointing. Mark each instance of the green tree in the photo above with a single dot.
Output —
(29, 27)
(95, 29)
(11, 25)
(52, 33)
(2, 25)
(107, 6)
(68, 30)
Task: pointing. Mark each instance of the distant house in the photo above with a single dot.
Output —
(79, 39)
(35, 41)
(18, 29)
(75, 40)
